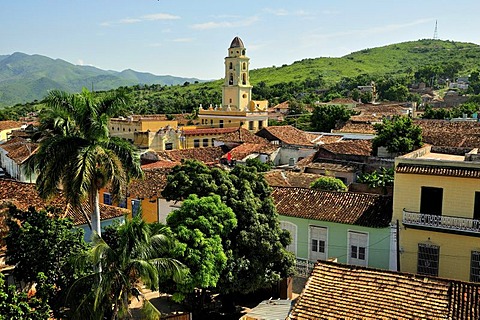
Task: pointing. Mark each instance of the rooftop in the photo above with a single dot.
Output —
(288, 135)
(19, 149)
(239, 136)
(237, 43)
(206, 155)
(151, 186)
(363, 209)
(245, 149)
(337, 291)
(280, 178)
(350, 147)
(9, 124)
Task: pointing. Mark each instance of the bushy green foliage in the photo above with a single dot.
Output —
(259, 165)
(17, 305)
(382, 178)
(398, 135)
(255, 249)
(199, 226)
(329, 184)
(42, 242)
(326, 117)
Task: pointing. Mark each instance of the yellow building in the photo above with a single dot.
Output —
(437, 204)
(127, 127)
(237, 109)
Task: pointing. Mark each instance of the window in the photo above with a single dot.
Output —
(107, 198)
(135, 207)
(169, 146)
(244, 66)
(476, 208)
(431, 200)
(260, 125)
(205, 142)
(250, 125)
(211, 122)
(230, 82)
(220, 123)
(318, 243)
(292, 228)
(427, 263)
(196, 143)
(475, 267)
(122, 203)
(213, 142)
(244, 78)
(357, 248)
(230, 66)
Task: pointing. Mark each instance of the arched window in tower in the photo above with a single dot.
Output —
(243, 52)
(244, 66)
(230, 66)
(230, 81)
(244, 78)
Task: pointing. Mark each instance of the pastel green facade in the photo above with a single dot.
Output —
(378, 252)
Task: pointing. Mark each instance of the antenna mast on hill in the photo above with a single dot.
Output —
(435, 33)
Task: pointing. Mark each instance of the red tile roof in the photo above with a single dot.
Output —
(350, 147)
(23, 195)
(450, 133)
(369, 210)
(356, 127)
(288, 135)
(207, 155)
(246, 149)
(344, 101)
(160, 164)
(241, 135)
(151, 186)
(465, 172)
(334, 167)
(19, 149)
(9, 124)
(337, 291)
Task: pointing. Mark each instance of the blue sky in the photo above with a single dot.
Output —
(190, 38)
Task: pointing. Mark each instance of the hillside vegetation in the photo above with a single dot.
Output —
(392, 67)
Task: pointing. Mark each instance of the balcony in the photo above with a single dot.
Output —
(441, 223)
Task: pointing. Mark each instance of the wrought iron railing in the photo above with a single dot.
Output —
(440, 222)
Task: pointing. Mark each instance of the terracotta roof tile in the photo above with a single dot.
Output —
(160, 164)
(241, 135)
(356, 127)
(328, 166)
(207, 155)
(336, 291)
(351, 147)
(438, 170)
(450, 133)
(279, 178)
(328, 138)
(151, 186)
(369, 210)
(344, 101)
(19, 149)
(246, 149)
(288, 135)
(9, 124)
(23, 195)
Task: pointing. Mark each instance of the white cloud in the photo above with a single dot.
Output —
(148, 17)
(277, 12)
(225, 24)
(160, 16)
(283, 12)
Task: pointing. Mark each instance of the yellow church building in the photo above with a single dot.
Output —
(237, 109)
(437, 205)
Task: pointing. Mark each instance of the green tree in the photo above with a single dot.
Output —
(326, 117)
(259, 165)
(256, 247)
(329, 184)
(41, 242)
(137, 254)
(77, 152)
(17, 305)
(199, 225)
(397, 92)
(398, 135)
(382, 178)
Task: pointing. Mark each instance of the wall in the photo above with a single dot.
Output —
(104, 223)
(378, 239)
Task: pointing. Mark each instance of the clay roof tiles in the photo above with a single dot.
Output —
(241, 135)
(9, 124)
(369, 210)
(351, 147)
(288, 135)
(337, 291)
(19, 149)
(151, 186)
(245, 149)
(24, 195)
(279, 178)
(465, 172)
(207, 155)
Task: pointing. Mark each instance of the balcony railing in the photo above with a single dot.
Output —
(441, 222)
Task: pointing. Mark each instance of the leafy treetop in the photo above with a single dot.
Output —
(398, 135)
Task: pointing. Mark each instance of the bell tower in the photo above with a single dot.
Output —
(236, 89)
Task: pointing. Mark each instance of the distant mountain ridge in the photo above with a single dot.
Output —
(25, 78)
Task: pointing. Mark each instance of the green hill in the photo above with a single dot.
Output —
(25, 78)
(308, 79)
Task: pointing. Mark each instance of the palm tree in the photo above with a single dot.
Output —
(132, 254)
(77, 153)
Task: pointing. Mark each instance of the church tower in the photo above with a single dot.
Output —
(236, 89)
(237, 108)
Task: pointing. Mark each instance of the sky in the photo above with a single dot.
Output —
(190, 38)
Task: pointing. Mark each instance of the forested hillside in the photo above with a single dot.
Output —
(393, 68)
